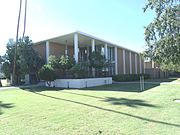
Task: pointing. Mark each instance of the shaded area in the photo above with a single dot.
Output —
(86, 95)
(128, 102)
(5, 106)
(109, 110)
(123, 87)
(161, 80)
(40, 88)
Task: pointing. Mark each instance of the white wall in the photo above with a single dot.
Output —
(81, 83)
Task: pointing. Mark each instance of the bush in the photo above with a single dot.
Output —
(47, 73)
(79, 70)
(129, 77)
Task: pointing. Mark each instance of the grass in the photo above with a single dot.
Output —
(118, 109)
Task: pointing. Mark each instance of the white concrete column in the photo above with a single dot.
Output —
(136, 63)
(106, 51)
(76, 47)
(116, 61)
(144, 66)
(93, 49)
(130, 62)
(140, 66)
(124, 61)
(152, 64)
(93, 45)
(47, 51)
(66, 49)
(27, 79)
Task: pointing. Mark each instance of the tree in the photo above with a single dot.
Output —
(14, 77)
(54, 62)
(27, 60)
(79, 70)
(97, 61)
(162, 35)
(65, 63)
(0, 71)
(47, 73)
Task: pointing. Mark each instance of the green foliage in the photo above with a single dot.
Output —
(129, 77)
(47, 73)
(6, 70)
(1, 59)
(162, 35)
(54, 62)
(61, 65)
(96, 60)
(79, 70)
(28, 61)
(65, 63)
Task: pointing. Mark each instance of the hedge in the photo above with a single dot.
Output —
(129, 77)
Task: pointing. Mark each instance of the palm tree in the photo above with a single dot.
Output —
(17, 34)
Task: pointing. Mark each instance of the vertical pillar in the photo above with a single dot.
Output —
(66, 49)
(47, 51)
(93, 49)
(152, 64)
(140, 66)
(124, 61)
(27, 79)
(136, 63)
(116, 61)
(93, 45)
(76, 47)
(144, 67)
(106, 51)
(130, 62)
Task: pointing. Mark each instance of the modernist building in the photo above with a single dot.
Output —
(154, 70)
(79, 45)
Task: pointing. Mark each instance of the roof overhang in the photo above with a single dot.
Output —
(84, 39)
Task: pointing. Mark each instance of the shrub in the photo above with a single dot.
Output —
(47, 73)
(97, 60)
(65, 63)
(54, 62)
(129, 77)
(79, 70)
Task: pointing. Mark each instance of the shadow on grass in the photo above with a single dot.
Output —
(123, 87)
(117, 101)
(109, 110)
(79, 94)
(5, 106)
(161, 80)
(128, 102)
(40, 88)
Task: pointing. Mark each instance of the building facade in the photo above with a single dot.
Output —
(79, 45)
(154, 70)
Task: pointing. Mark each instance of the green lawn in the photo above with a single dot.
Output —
(118, 109)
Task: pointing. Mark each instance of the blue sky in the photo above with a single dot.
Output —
(117, 21)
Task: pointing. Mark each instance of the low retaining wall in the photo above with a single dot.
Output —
(81, 83)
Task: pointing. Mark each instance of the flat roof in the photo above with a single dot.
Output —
(89, 36)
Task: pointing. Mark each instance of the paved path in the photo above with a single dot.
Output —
(146, 82)
(6, 88)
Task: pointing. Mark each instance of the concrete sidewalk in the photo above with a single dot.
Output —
(6, 88)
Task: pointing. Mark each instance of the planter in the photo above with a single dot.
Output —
(81, 83)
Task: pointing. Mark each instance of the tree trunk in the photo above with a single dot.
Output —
(0, 83)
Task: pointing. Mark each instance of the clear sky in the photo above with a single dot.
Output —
(118, 21)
